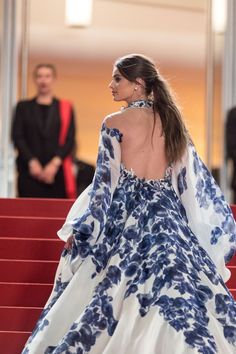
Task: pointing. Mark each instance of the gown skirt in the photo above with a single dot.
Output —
(145, 285)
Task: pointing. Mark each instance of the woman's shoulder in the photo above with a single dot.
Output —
(26, 102)
(111, 118)
(114, 119)
(121, 119)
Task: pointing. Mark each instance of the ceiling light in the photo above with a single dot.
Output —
(78, 13)
(219, 15)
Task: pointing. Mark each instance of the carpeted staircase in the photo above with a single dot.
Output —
(29, 253)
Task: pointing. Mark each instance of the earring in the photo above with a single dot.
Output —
(135, 88)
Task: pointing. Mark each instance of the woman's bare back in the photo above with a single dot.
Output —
(143, 145)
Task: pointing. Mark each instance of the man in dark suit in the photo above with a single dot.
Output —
(231, 146)
(43, 132)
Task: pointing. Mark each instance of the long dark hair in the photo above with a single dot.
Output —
(135, 66)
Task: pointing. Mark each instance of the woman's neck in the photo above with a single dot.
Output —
(138, 98)
(44, 99)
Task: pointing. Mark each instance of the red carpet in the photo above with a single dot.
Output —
(29, 253)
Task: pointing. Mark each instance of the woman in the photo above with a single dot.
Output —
(144, 271)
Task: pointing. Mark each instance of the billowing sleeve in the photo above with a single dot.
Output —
(209, 215)
(78, 208)
(87, 217)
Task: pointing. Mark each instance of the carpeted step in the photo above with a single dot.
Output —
(13, 342)
(233, 208)
(18, 318)
(233, 292)
(18, 271)
(35, 249)
(35, 207)
(24, 294)
(232, 262)
(30, 227)
(231, 283)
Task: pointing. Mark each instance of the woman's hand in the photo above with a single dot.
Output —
(35, 168)
(68, 244)
(50, 170)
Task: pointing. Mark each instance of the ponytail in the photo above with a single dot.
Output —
(174, 130)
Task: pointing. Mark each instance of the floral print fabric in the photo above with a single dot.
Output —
(147, 268)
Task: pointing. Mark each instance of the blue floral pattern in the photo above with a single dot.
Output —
(137, 240)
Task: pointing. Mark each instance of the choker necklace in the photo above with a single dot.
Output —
(140, 104)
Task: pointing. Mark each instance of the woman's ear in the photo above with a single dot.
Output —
(140, 81)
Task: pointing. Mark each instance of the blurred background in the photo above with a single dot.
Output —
(193, 54)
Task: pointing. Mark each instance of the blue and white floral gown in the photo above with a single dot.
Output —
(147, 269)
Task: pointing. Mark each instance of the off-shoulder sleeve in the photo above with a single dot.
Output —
(87, 217)
(209, 215)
